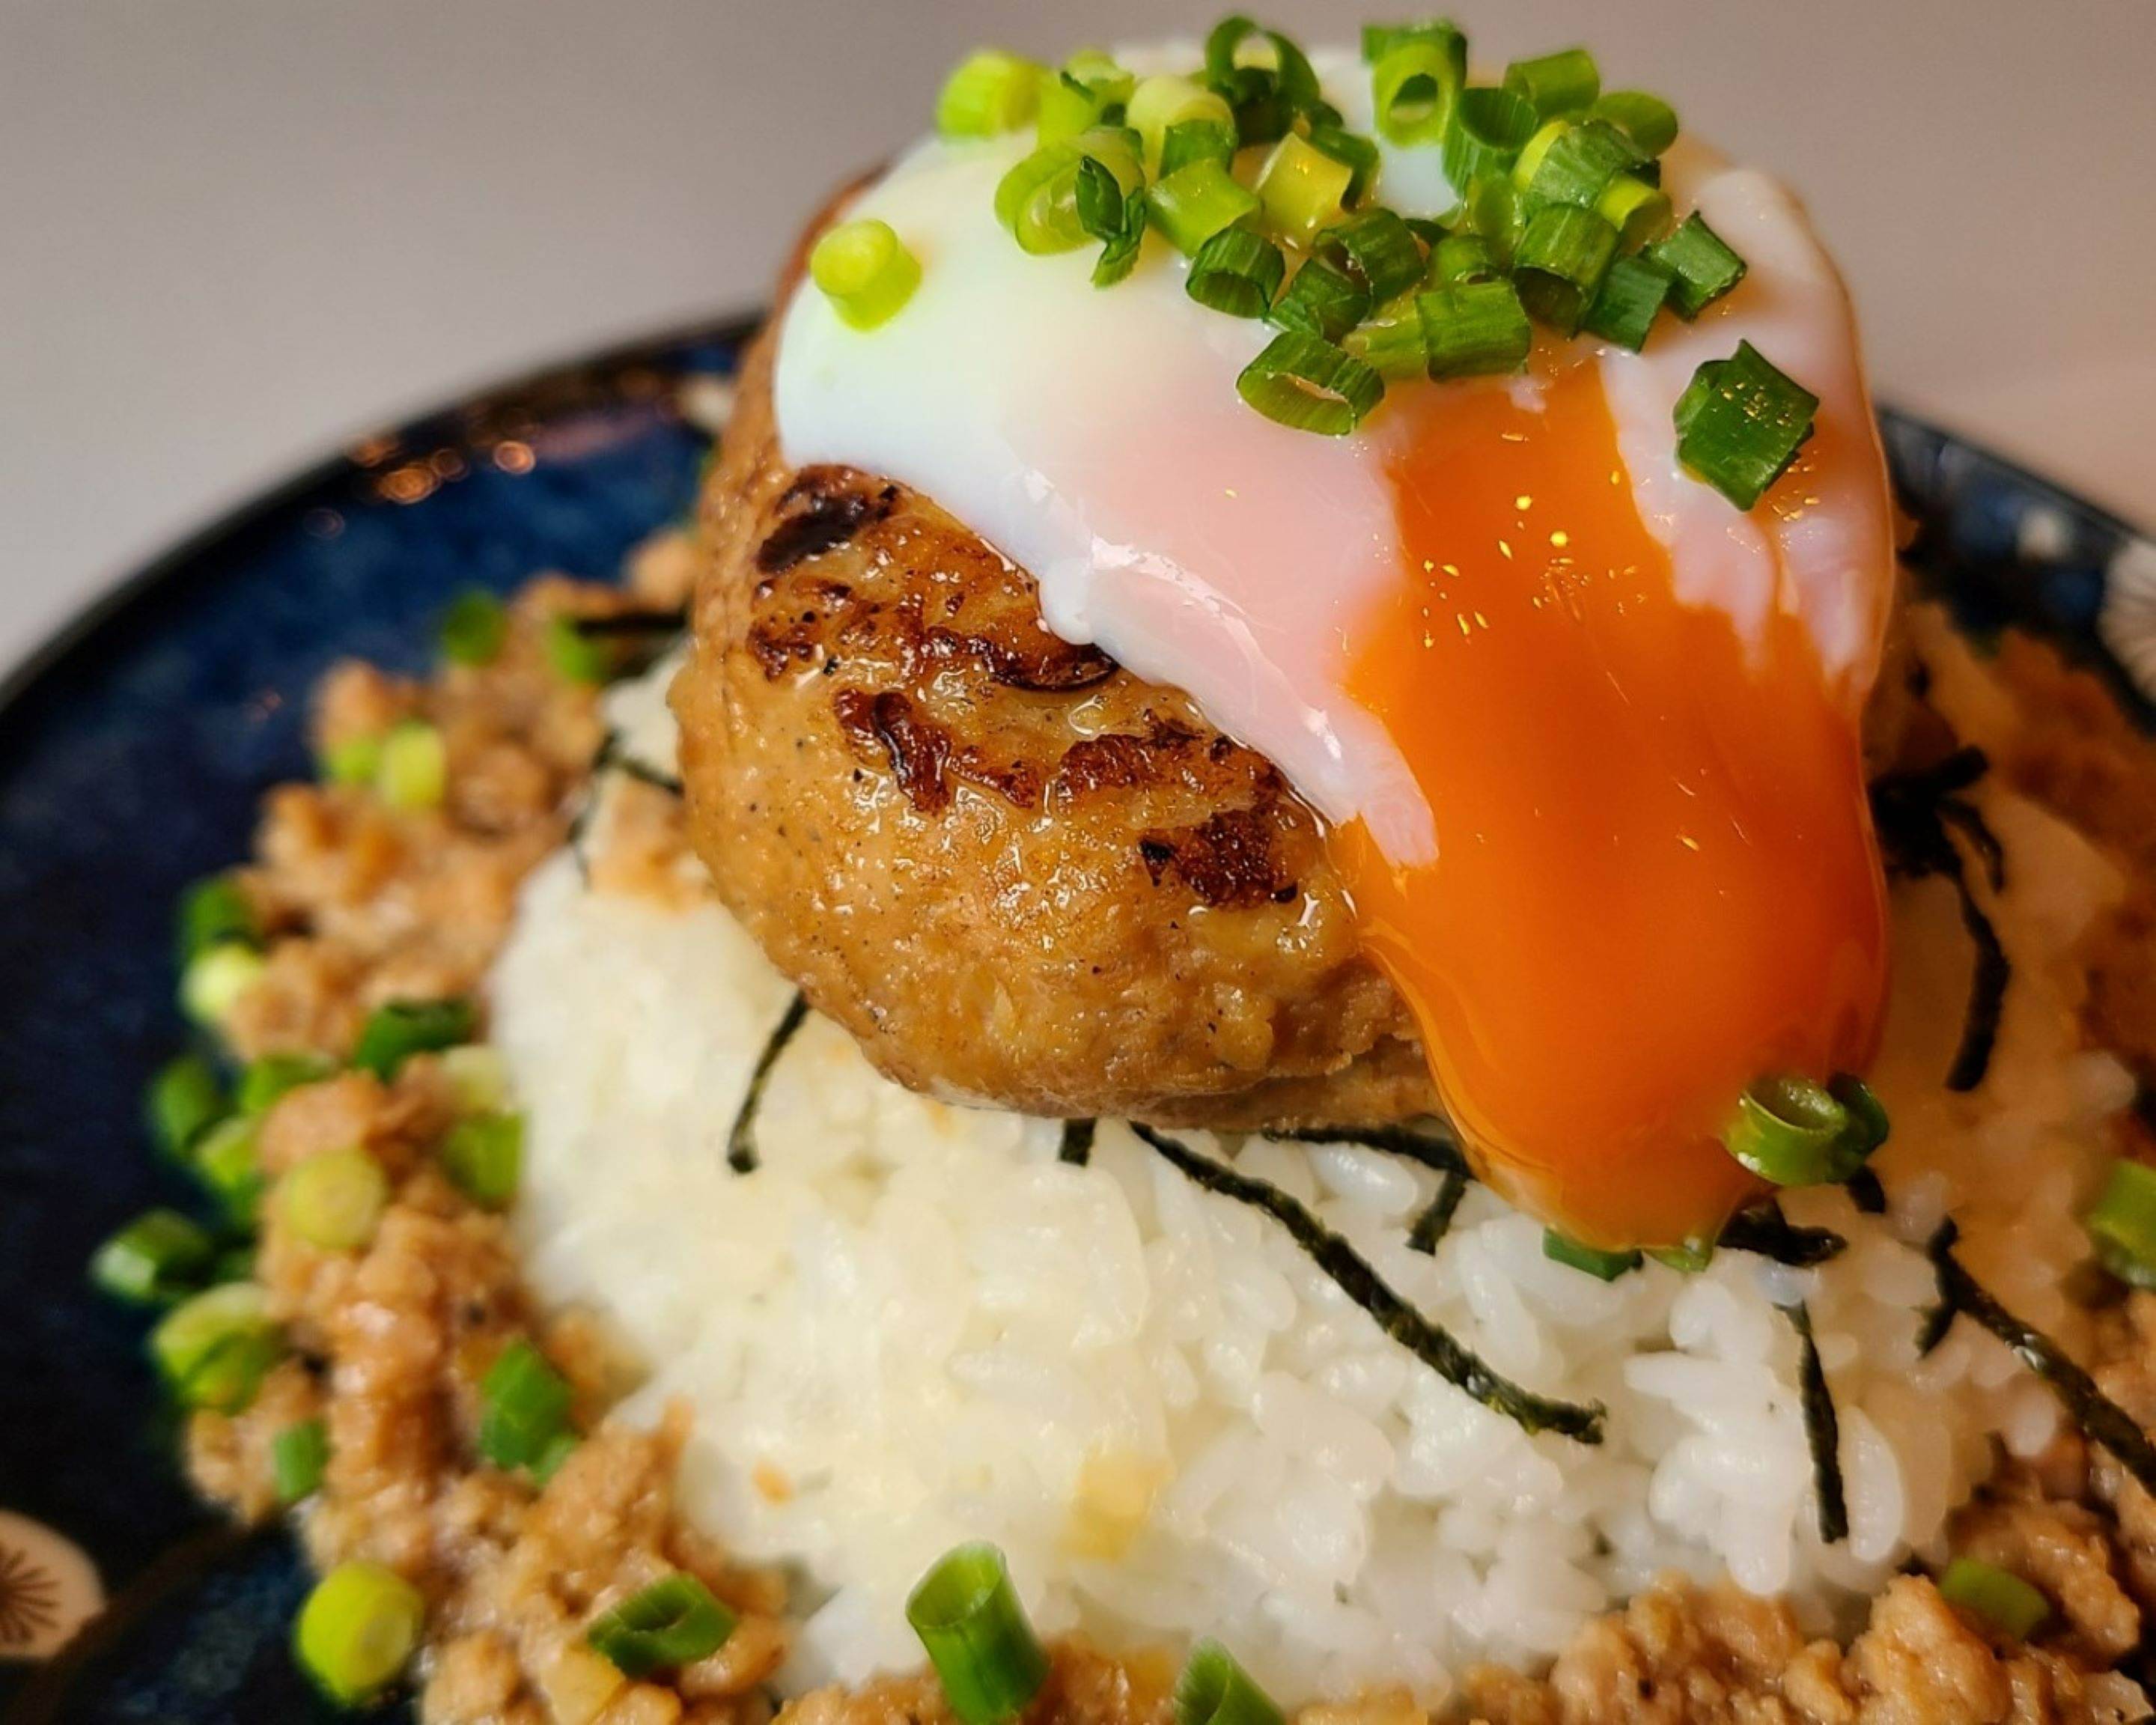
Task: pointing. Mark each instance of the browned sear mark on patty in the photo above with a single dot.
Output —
(1229, 860)
(1121, 760)
(918, 748)
(823, 509)
(1050, 666)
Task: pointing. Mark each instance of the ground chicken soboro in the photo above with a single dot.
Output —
(366, 905)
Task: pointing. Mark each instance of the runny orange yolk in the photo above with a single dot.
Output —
(1655, 878)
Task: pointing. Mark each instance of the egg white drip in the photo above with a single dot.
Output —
(1095, 438)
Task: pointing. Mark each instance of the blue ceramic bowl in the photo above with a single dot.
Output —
(133, 751)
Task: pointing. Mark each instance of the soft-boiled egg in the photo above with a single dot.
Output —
(1586, 734)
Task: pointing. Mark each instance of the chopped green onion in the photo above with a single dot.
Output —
(524, 1407)
(1378, 40)
(353, 762)
(1266, 98)
(484, 1156)
(216, 979)
(674, 1621)
(1415, 87)
(1162, 103)
(1705, 268)
(1213, 1689)
(866, 272)
(1301, 189)
(1791, 1131)
(1602, 1266)
(1573, 164)
(1999, 1597)
(358, 1631)
(2122, 1223)
(1492, 211)
(1089, 91)
(1189, 141)
(989, 92)
(299, 1456)
(158, 1257)
(1099, 200)
(473, 629)
(1322, 300)
(968, 1617)
(1869, 1127)
(559, 1449)
(267, 1082)
(1359, 154)
(1390, 341)
(1562, 83)
(1472, 329)
(235, 1263)
(1462, 257)
(479, 1075)
(1379, 247)
(1632, 294)
(184, 1101)
(227, 1162)
(1237, 272)
(1196, 201)
(1489, 128)
(394, 1033)
(215, 1348)
(334, 1199)
(1558, 266)
(1309, 384)
(1037, 201)
(1648, 120)
(414, 772)
(1638, 211)
(215, 912)
(1740, 423)
(574, 656)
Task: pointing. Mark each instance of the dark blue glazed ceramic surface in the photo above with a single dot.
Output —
(132, 753)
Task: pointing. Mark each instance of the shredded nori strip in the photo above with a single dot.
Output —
(2101, 1419)
(1436, 1150)
(740, 1140)
(1077, 1148)
(1767, 1232)
(1822, 1430)
(610, 758)
(1429, 1343)
(630, 767)
(643, 621)
(1865, 1193)
(1916, 815)
(1431, 1226)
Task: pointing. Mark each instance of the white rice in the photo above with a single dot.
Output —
(914, 1325)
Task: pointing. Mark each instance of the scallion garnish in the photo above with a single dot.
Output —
(413, 773)
(1490, 127)
(1091, 90)
(864, 269)
(1213, 1689)
(217, 978)
(335, 1199)
(268, 1081)
(1740, 423)
(1301, 189)
(674, 1621)
(184, 1101)
(299, 1456)
(1461, 257)
(1791, 1131)
(394, 1033)
(524, 1407)
(985, 1653)
(353, 762)
(1558, 85)
(1648, 120)
(1189, 141)
(227, 1163)
(1632, 294)
(989, 92)
(1306, 383)
(484, 1157)
(575, 656)
(2122, 1223)
(1473, 329)
(159, 1257)
(1196, 201)
(1237, 271)
(1162, 103)
(358, 1631)
(474, 628)
(2002, 1599)
(1377, 248)
(1638, 211)
(215, 1348)
(1358, 152)
(1389, 341)
(1415, 83)
(1602, 1266)
(1266, 98)
(1558, 266)
(1322, 300)
(1704, 268)
(215, 912)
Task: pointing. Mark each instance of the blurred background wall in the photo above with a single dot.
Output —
(235, 233)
